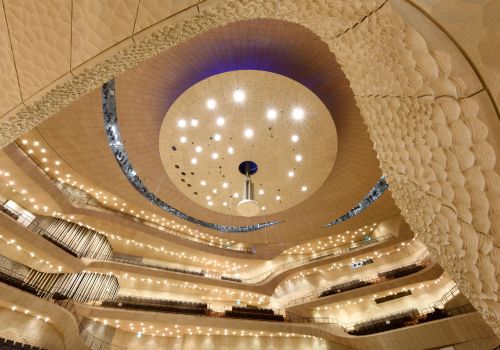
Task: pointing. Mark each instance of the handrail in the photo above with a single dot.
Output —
(422, 260)
(349, 326)
(278, 268)
(35, 227)
(330, 253)
(293, 318)
(88, 339)
(91, 201)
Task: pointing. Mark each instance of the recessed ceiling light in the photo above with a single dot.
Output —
(194, 122)
(295, 138)
(194, 161)
(217, 137)
(211, 104)
(298, 158)
(230, 150)
(36, 143)
(214, 191)
(271, 114)
(198, 149)
(291, 173)
(181, 123)
(236, 195)
(261, 191)
(208, 198)
(248, 133)
(210, 203)
(225, 185)
(215, 155)
(183, 139)
(263, 208)
(203, 183)
(238, 95)
(220, 121)
(24, 142)
(278, 197)
(224, 204)
(298, 114)
(304, 188)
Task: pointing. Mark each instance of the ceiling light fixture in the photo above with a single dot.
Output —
(298, 114)
(271, 114)
(291, 173)
(203, 183)
(217, 137)
(181, 123)
(183, 139)
(194, 161)
(198, 149)
(230, 150)
(261, 191)
(295, 138)
(215, 155)
(194, 122)
(248, 206)
(298, 158)
(220, 121)
(278, 197)
(248, 133)
(238, 95)
(304, 188)
(211, 104)
(225, 185)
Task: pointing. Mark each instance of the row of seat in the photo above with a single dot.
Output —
(7, 344)
(152, 301)
(345, 286)
(386, 275)
(393, 296)
(158, 305)
(253, 313)
(384, 323)
(401, 271)
(407, 318)
(253, 309)
(156, 308)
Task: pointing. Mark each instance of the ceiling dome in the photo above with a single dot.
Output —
(248, 115)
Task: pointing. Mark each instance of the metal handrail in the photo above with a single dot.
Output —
(91, 201)
(422, 260)
(349, 326)
(35, 227)
(330, 253)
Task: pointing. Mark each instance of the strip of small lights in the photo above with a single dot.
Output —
(99, 195)
(340, 265)
(14, 308)
(141, 329)
(12, 242)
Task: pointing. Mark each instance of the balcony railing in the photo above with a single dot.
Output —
(34, 226)
(418, 314)
(423, 260)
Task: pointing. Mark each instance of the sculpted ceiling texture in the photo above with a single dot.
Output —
(432, 134)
